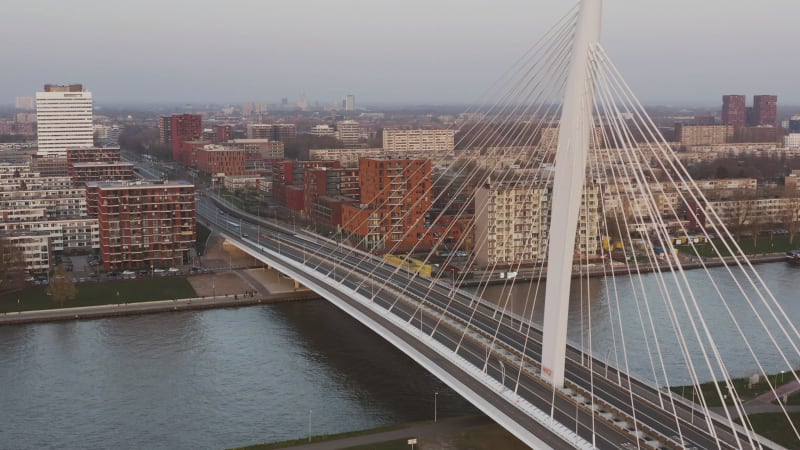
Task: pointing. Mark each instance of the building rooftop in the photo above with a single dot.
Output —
(138, 184)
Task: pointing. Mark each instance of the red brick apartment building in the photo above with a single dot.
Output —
(143, 225)
(287, 181)
(97, 164)
(326, 190)
(93, 154)
(215, 159)
(395, 198)
(184, 128)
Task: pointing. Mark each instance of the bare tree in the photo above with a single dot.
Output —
(791, 216)
(61, 286)
(12, 266)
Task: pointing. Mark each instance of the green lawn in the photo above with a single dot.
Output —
(764, 244)
(93, 294)
(741, 385)
(774, 427)
(329, 437)
(400, 444)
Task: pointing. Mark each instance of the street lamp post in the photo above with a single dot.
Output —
(213, 290)
(503, 373)
(435, 407)
(309, 425)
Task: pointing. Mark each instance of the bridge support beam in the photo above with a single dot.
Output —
(575, 127)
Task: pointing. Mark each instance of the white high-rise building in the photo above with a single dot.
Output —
(350, 102)
(64, 119)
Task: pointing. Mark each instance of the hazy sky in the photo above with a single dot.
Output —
(409, 51)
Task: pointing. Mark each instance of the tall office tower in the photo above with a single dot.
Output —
(734, 111)
(350, 103)
(64, 118)
(765, 110)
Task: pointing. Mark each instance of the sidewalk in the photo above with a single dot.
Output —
(425, 431)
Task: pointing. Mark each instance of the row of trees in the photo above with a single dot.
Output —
(61, 288)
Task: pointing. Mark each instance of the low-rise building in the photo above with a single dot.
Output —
(217, 159)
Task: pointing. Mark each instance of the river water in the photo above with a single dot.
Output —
(233, 377)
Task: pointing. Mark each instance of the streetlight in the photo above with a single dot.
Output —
(503, 372)
(309, 425)
(435, 407)
(214, 290)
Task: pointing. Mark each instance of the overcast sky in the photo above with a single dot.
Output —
(409, 51)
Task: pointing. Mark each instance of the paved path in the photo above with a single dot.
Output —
(420, 430)
(764, 403)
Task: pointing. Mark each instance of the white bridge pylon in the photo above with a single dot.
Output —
(575, 127)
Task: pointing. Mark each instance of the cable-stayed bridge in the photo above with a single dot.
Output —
(562, 175)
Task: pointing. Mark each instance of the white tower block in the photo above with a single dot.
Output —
(570, 172)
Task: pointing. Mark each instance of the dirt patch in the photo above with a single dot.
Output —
(219, 284)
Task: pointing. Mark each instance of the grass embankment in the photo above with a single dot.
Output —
(94, 294)
(330, 437)
(741, 385)
(762, 245)
(773, 426)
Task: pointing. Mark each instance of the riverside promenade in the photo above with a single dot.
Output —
(241, 287)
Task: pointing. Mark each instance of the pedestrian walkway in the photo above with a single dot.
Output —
(765, 403)
(421, 430)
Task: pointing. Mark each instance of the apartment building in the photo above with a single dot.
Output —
(433, 142)
(326, 190)
(348, 157)
(745, 213)
(395, 200)
(65, 202)
(512, 222)
(218, 159)
(692, 135)
(263, 148)
(64, 119)
(34, 248)
(74, 233)
(349, 132)
(288, 181)
(144, 225)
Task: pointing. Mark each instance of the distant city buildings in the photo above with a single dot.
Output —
(24, 103)
(764, 111)
(734, 111)
(349, 103)
(64, 119)
(275, 131)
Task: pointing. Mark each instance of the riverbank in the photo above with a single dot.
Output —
(474, 433)
(129, 309)
(243, 287)
(616, 269)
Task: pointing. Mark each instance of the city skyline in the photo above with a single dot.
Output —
(447, 52)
